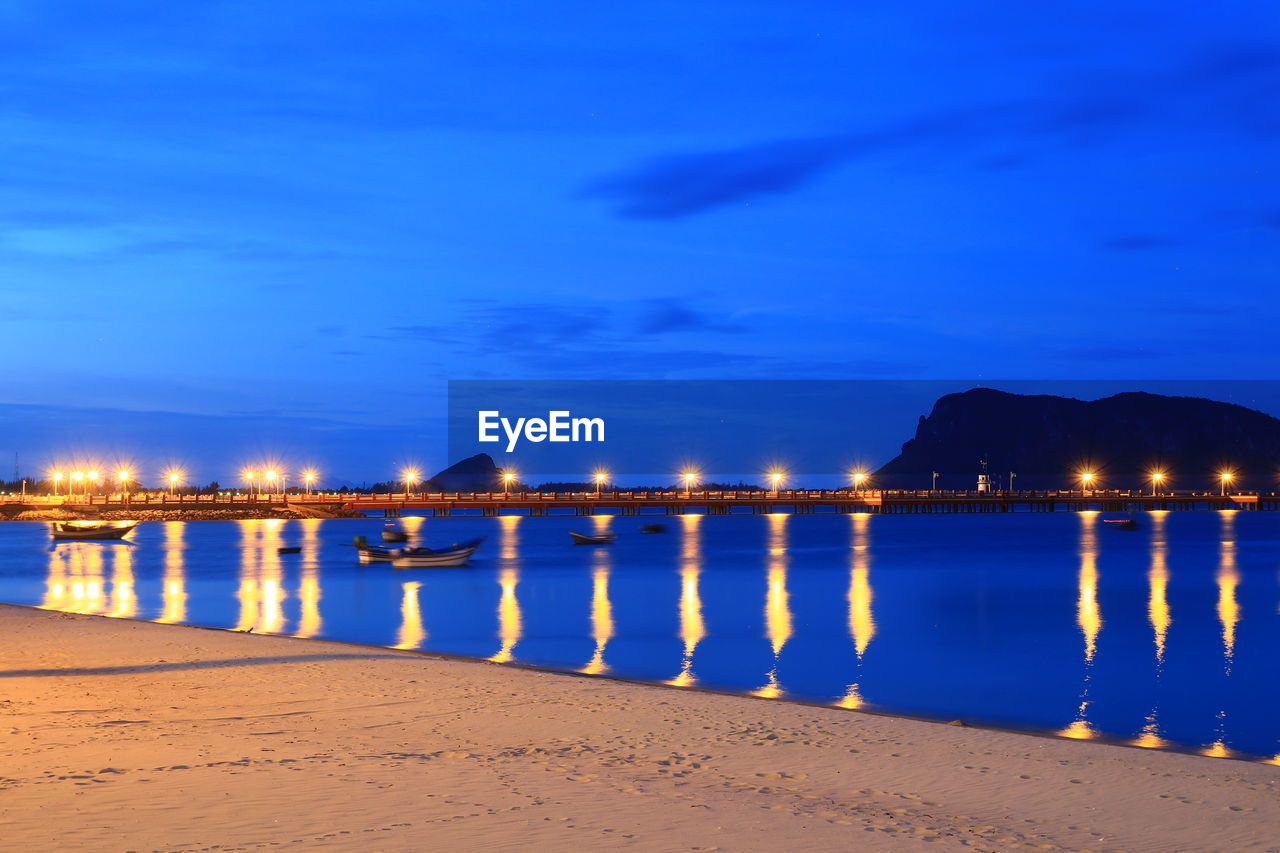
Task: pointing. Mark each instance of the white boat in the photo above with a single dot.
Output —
(374, 554)
(429, 558)
(101, 530)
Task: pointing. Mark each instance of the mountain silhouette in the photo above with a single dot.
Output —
(1121, 438)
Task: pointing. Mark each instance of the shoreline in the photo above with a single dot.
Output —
(541, 761)
(1096, 739)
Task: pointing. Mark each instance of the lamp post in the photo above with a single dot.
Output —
(1086, 480)
(1157, 478)
(688, 483)
(57, 480)
(122, 480)
(775, 479)
(1225, 478)
(508, 477)
(858, 478)
(934, 487)
(174, 477)
(309, 478)
(410, 477)
(76, 477)
(93, 477)
(600, 478)
(270, 477)
(1011, 476)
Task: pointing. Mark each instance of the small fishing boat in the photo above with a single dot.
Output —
(653, 528)
(289, 549)
(90, 530)
(599, 539)
(429, 558)
(391, 533)
(374, 554)
(1121, 523)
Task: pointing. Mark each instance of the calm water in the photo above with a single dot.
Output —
(1050, 622)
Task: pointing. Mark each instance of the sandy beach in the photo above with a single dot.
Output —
(124, 735)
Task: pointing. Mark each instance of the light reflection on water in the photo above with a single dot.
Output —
(1051, 622)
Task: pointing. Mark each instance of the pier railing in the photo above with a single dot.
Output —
(673, 501)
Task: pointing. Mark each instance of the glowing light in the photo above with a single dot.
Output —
(270, 475)
(77, 475)
(410, 476)
(601, 477)
(57, 476)
(309, 476)
(775, 477)
(1226, 476)
(859, 477)
(508, 476)
(1158, 477)
(1086, 477)
(94, 476)
(123, 476)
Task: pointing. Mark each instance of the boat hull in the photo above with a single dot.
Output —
(104, 532)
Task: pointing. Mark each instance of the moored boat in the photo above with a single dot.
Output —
(391, 533)
(91, 530)
(598, 539)
(429, 558)
(1121, 523)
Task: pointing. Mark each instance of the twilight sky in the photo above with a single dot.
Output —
(317, 212)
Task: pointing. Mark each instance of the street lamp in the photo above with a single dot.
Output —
(76, 477)
(1225, 478)
(270, 477)
(1086, 480)
(689, 477)
(775, 479)
(410, 477)
(122, 479)
(57, 479)
(92, 477)
(935, 482)
(309, 478)
(601, 476)
(507, 478)
(1157, 477)
(174, 478)
(248, 479)
(859, 477)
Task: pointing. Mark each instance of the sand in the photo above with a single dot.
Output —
(123, 735)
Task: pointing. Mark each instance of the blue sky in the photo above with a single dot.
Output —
(324, 211)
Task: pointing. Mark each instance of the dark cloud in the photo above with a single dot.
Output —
(670, 315)
(680, 185)
(1222, 90)
(1137, 243)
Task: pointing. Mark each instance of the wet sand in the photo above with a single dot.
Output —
(123, 735)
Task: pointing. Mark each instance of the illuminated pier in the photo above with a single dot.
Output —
(675, 502)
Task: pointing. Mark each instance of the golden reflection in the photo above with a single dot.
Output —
(261, 590)
(862, 623)
(57, 579)
(692, 628)
(777, 610)
(1160, 618)
(85, 591)
(174, 588)
(508, 577)
(309, 620)
(124, 599)
(601, 610)
(1228, 578)
(1088, 617)
(412, 634)
(1158, 581)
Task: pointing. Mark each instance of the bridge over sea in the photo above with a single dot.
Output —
(674, 502)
